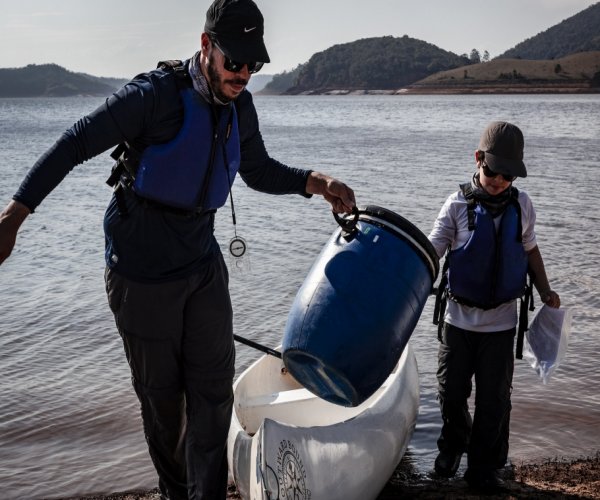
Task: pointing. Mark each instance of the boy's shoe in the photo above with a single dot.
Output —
(486, 481)
(446, 464)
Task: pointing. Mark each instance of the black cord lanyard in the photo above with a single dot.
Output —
(226, 162)
(237, 246)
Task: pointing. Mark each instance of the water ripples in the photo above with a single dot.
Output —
(69, 419)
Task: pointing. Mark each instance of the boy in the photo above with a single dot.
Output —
(488, 229)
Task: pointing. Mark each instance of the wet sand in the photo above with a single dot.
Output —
(556, 479)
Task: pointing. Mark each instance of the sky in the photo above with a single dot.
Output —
(121, 38)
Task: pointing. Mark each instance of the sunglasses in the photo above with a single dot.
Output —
(235, 66)
(488, 172)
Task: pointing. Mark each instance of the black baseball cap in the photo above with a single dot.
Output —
(503, 145)
(238, 28)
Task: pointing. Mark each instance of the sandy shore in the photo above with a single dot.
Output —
(557, 479)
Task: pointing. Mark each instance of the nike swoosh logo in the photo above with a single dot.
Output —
(248, 30)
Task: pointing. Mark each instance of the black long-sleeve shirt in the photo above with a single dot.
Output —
(151, 244)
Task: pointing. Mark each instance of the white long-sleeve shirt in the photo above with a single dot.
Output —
(451, 230)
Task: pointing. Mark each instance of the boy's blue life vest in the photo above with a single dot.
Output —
(197, 167)
(491, 268)
(194, 171)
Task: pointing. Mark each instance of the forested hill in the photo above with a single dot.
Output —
(51, 80)
(579, 33)
(373, 63)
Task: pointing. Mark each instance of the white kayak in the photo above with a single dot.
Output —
(285, 443)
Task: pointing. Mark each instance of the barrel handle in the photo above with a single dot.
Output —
(348, 225)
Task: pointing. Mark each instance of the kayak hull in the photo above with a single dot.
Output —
(287, 443)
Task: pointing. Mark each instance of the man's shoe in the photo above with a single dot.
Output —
(446, 464)
(485, 481)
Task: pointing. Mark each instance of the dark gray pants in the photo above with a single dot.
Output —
(489, 357)
(178, 339)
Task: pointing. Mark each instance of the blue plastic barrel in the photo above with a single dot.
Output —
(359, 305)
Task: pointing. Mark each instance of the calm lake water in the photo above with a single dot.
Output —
(69, 420)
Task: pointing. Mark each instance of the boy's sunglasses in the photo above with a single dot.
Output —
(235, 66)
(488, 172)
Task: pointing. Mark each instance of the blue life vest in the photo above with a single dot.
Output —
(196, 168)
(491, 268)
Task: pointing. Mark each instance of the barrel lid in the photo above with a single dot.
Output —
(399, 226)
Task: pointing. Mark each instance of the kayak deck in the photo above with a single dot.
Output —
(283, 399)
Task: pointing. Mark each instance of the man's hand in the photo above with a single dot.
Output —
(339, 196)
(11, 219)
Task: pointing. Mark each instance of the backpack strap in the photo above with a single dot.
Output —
(123, 172)
(527, 298)
(179, 69)
(441, 293)
(514, 199)
(526, 305)
(127, 157)
(441, 298)
(467, 191)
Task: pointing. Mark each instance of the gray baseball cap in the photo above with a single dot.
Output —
(503, 144)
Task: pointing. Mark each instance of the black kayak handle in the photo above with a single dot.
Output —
(347, 224)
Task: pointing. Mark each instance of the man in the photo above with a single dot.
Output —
(183, 131)
(488, 230)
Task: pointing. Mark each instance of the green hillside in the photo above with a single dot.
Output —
(51, 80)
(579, 33)
(373, 63)
(281, 82)
(258, 82)
(545, 62)
(574, 73)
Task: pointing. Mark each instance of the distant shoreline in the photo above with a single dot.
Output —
(43, 96)
(456, 89)
(465, 90)
(504, 89)
(490, 89)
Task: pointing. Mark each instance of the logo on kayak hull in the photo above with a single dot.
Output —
(291, 475)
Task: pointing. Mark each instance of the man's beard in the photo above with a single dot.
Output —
(216, 84)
